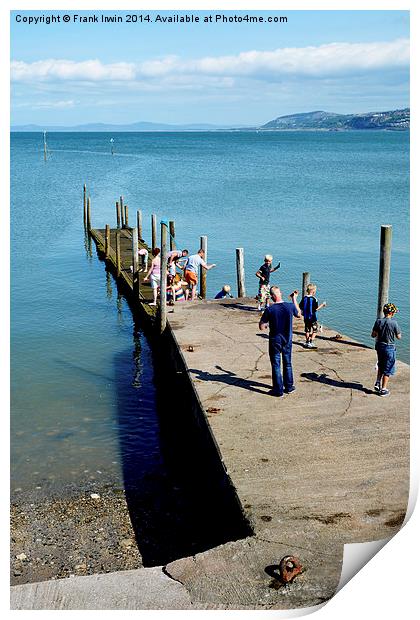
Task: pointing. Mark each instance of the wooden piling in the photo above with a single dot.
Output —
(118, 251)
(84, 207)
(126, 215)
(163, 269)
(139, 226)
(153, 231)
(306, 278)
(240, 272)
(135, 261)
(203, 272)
(122, 211)
(384, 267)
(89, 224)
(117, 209)
(107, 240)
(172, 243)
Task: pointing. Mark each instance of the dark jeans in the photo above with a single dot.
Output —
(276, 350)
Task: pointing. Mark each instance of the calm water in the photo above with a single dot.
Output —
(82, 372)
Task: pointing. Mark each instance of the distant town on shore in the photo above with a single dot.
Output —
(394, 120)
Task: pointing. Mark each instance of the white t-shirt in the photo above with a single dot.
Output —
(194, 262)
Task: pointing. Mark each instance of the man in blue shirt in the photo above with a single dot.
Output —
(279, 319)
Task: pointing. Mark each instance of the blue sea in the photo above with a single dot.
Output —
(83, 383)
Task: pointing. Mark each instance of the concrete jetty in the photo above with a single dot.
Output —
(321, 467)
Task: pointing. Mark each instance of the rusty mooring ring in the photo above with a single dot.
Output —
(290, 567)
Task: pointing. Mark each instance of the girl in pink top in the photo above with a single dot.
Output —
(154, 274)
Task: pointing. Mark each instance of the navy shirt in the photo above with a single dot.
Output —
(279, 317)
(309, 306)
(265, 271)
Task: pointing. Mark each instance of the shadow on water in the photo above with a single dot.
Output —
(179, 497)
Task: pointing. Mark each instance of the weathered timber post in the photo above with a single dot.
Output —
(122, 211)
(240, 272)
(118, 250)
(107, 240)
(126, 216)
(163, 269)
(153, 231)
(384, 267)
(117, 208)
(306, 278)
(89, 225)
(139, 226)
(135, 261)
(84, 206)
(172, 243)
(203, 272)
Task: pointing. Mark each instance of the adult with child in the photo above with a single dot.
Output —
(386, 330)
(278, 318)
(309, 306)
(195, 261)
(154, 274)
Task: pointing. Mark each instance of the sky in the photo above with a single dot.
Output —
(218, 73)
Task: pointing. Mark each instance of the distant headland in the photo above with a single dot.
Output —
(396, 120)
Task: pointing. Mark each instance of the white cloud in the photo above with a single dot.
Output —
(69, 70)
(329, 60)
(41, 105)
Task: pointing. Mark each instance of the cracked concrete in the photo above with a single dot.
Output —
(326, 465)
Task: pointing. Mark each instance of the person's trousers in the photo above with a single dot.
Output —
(277, 352)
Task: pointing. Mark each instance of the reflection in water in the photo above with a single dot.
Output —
(108, 285)
(88, 246)
(137, 368)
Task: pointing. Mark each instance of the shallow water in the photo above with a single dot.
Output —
(83, 393)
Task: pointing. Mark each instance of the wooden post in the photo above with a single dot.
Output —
(117, 208)
(89, 225)
(240, 272)
(135, 261)
(163, 269)
(139, 225)
(126, 216)
(306, 278)
(118, 251)
(107, 240)
(122, 211)
(384, 267)
(84, 206)
(153, 231)
(172, 243)
(203, 272)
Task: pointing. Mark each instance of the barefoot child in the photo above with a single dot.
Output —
(309, 306)
(385, 331)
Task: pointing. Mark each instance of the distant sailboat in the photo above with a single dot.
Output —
(112, 146)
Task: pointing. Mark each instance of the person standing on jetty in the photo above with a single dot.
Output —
(385, 331)
(191, 271)
(279, 319)
(263, 274)
(309, 306)
(154, 275)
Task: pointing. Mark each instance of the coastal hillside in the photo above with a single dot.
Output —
(394, 119)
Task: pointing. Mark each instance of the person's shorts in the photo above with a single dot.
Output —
(191, 278)
(155, 280)
(386, 358)
(311, 326)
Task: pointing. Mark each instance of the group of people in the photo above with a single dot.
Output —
(277, 314)
(180, 285)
